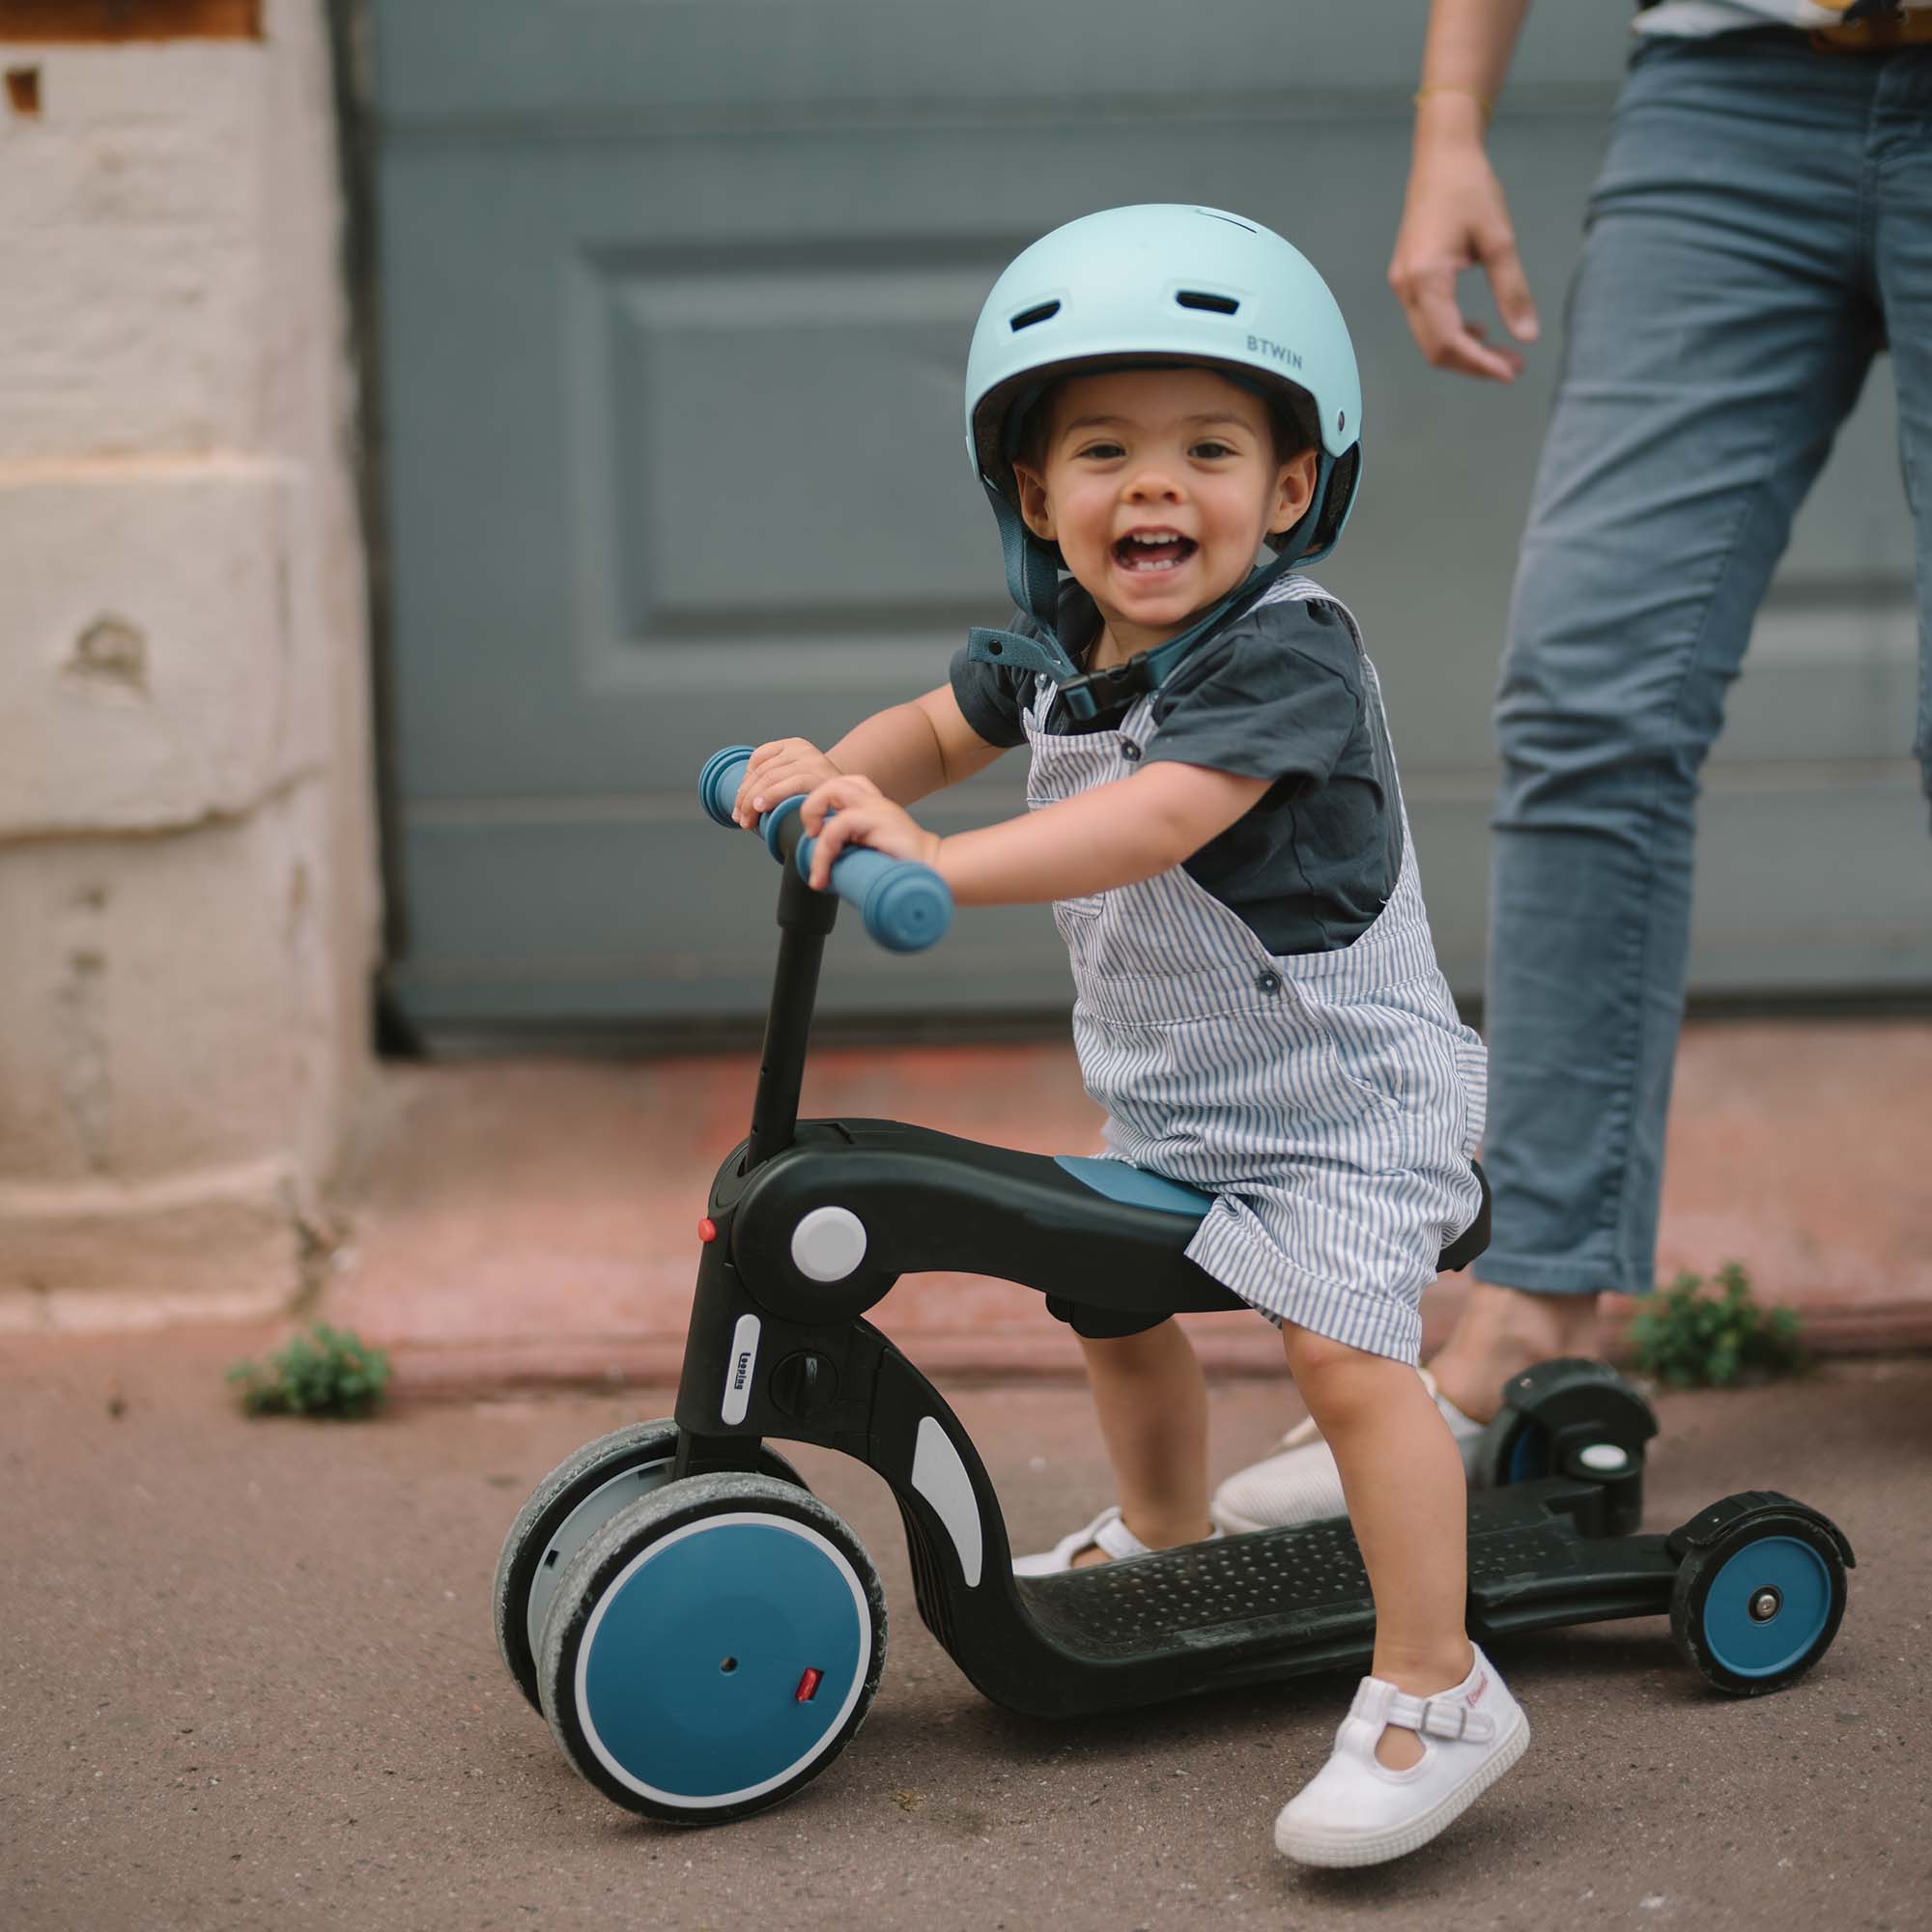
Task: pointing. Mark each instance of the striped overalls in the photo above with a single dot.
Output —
(1331, 1101)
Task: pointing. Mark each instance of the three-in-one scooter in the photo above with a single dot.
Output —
(704, 1636)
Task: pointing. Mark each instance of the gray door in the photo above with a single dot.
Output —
(676, 299)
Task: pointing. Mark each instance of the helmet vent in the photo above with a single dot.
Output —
(1197, 298)
(1026, 317)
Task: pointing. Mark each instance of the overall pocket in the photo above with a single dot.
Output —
(1373, 1049)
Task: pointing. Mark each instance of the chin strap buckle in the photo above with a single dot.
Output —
(1088, 695)
(1106, 694)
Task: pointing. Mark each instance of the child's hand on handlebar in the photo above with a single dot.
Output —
(852, 810)
(777, 772)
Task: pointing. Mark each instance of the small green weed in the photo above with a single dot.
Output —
(326, 1372)
(1697, 1337)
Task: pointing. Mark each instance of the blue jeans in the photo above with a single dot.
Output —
(1761, 226)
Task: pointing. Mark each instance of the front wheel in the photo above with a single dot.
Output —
(1754, 1610)
(712, 1648)
(576, 1499)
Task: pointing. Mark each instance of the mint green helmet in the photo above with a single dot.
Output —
(1143, 285)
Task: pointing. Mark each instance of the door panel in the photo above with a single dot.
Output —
(677, 304)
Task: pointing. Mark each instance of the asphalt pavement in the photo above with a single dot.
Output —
(248, 1681)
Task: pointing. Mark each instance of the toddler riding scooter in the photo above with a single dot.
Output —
(704, 1636)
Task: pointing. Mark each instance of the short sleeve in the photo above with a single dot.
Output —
(993, 697)
(1278, 697)
(989, 699)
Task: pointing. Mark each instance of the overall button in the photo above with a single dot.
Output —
(1129, 750)
(1268, 983)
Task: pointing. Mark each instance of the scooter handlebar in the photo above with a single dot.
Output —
(905, 906)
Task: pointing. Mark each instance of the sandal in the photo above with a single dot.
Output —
(1106, 1533)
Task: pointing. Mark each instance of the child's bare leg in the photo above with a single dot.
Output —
(1408, 1504)
(1153, 1403)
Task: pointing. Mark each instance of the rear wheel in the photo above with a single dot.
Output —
(712, 1648)
(1756, 1610)
(1555, 1410)
(576, 1499)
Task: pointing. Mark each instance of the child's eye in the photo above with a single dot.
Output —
(1212, 450)
(1104, 452)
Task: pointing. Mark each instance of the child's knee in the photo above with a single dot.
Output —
(1329, 1371)
(1315, 1353)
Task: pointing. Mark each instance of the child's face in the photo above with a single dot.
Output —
(1158, 485)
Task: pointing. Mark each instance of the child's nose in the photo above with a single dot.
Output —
(1154, 484)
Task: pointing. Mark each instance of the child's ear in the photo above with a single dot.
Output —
(1034, 509)
(1294, 490)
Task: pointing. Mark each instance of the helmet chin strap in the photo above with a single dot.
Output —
(1034, 578)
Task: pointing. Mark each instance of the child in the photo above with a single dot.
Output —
(1152, 394)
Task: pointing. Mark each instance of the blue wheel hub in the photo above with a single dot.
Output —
(1529, 1454)
(1766, 1606)
(724, 1660)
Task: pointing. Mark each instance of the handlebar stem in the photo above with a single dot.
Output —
(805, 920)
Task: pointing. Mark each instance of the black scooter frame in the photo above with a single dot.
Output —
(772, 1353)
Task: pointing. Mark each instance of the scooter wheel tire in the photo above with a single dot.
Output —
(712, 1648)
(1755, 1610)
(1553, 1404)
(576, 1498)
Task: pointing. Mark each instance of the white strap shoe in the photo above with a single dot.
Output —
(1299, 1483)
(1356, 1812)
(1106, 1533)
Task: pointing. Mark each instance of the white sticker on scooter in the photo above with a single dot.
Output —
(738, 1376)
(940, 1476)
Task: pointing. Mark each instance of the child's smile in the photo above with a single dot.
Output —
(1158, 485)
(1145, 552)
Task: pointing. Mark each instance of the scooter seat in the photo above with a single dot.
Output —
(1093, 1232)
(1117, 1180)
(1136, 1188)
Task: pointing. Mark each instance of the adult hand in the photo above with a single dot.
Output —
(777, 772)
(854, 811)
(1455, 218)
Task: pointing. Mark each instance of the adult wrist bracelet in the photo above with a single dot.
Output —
(1480, 100)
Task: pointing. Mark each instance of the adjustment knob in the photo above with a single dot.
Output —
(804, 1383)
(828, 1244)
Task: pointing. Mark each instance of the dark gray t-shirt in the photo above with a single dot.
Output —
(1281, 694)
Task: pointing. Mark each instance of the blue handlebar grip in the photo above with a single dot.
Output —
(905, 906)
(718, 782)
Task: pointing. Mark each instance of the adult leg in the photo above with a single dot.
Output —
(1902, 248)
(1720, 327)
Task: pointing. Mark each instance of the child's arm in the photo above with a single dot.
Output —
(908, 752)
(1113, 836)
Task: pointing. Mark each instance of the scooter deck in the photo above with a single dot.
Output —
(1296, 1599)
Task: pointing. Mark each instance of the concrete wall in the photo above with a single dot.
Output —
(187, 888)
